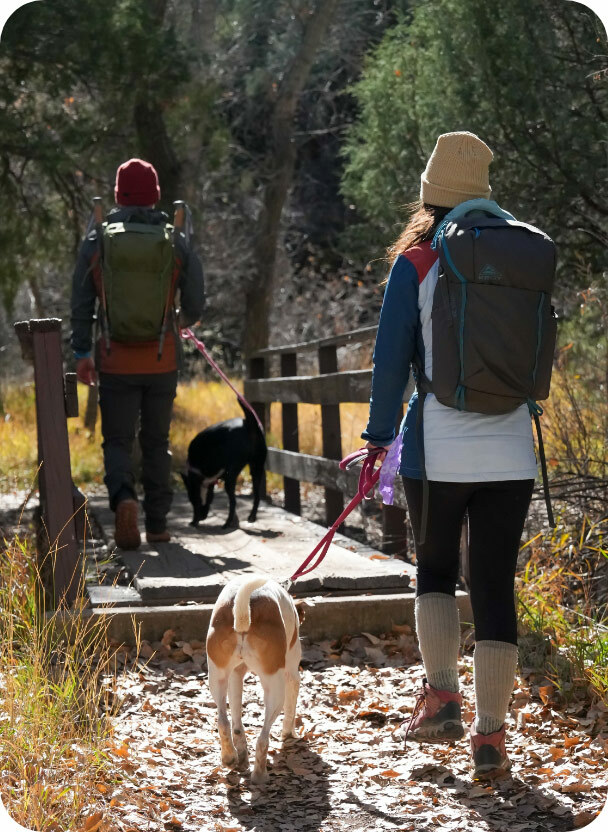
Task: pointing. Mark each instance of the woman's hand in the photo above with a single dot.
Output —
(382, 453)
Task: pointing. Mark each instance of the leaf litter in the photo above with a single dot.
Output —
(347, 769)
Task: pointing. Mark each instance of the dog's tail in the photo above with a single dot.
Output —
(242, 613)
(251, 422)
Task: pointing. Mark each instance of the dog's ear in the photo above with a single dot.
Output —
(301, 604)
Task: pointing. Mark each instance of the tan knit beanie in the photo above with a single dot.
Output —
(457, 170)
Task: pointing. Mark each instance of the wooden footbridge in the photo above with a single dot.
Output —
(176, 583)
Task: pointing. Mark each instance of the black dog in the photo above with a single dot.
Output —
(221, 452)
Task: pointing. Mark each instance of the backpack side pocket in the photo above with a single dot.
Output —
(546, 352)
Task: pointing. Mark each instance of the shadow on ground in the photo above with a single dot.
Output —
(296, 797)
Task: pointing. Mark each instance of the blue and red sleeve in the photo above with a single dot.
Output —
(394, 351)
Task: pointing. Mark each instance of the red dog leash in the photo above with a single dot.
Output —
(188, 335)
(367, 480)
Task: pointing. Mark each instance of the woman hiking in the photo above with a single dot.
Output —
(476, 463)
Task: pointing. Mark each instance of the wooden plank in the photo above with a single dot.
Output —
(258, 368)
(291, 487)
(55, 474)
(331, 432)
(354, 336)
(321, 471)
(333, 388)
(22, 330)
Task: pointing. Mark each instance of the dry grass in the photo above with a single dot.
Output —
(53, 730)
(566, 629)
(198, 405)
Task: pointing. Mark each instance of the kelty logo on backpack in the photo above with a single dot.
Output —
(488, 274)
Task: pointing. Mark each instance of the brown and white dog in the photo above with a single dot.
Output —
(255, 626)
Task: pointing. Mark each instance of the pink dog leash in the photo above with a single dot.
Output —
(188, 335)
(367, 480)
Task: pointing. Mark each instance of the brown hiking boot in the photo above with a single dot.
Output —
(126, 533)
(158, 537)
(436, 716)
(489, 754)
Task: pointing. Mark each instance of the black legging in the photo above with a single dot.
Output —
(497, 512)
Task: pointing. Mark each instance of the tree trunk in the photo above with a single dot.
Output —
(36, 296)
(156, 146)
(280, 163)
(154, 142)
(203, 47)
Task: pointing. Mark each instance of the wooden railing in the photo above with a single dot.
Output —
(330, 388)
(61, 503)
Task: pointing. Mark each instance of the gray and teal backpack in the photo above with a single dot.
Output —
(138, 267)
(493, 325)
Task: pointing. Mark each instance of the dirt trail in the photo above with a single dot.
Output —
(348, 770)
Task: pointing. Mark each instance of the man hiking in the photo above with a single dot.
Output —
(129, 272)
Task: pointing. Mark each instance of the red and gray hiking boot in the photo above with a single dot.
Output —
(126, 532)
(439, 720)
(489, 754)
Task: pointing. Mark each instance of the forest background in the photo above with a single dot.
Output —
(297, 132)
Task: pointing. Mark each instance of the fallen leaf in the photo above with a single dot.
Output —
(168, 637)
(373, 639)
(583, 818)
(92, 823)
(349, 695)
(574, 785)
(546, 693)
(571, 741)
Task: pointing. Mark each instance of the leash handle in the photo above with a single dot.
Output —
(358, 456)
(188, 335)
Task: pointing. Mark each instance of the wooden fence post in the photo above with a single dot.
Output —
(394, 528)
(289, 418)
(258, 368)
(55, 478)
(332, 437)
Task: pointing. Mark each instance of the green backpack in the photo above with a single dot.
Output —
(138, 269)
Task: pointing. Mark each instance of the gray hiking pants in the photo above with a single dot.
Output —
(124, 400)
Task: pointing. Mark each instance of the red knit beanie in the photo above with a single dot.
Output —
(136, 184)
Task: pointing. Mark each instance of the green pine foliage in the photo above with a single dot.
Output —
(526, 76)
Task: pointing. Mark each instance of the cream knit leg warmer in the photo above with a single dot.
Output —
(438, 629)
(495, 663)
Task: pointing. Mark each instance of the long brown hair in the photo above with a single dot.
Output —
(421, 226)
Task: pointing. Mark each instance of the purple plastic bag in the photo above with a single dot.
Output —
(389, 469)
